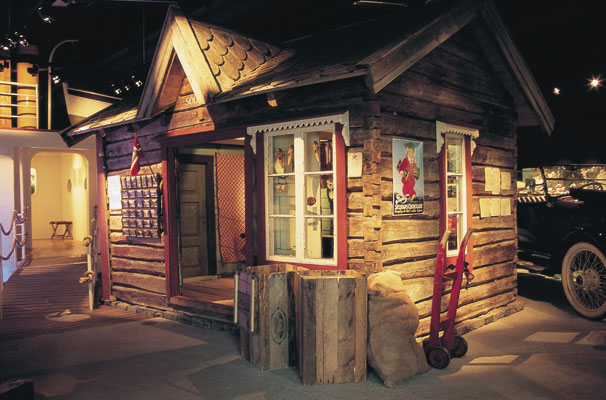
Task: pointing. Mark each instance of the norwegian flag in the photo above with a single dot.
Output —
(137, 155)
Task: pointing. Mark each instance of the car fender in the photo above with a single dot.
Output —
(580, 234)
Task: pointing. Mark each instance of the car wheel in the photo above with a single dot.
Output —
(584, 279)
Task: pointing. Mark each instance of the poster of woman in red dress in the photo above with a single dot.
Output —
(407, 177)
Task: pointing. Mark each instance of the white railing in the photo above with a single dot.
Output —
(23, 104)
(16, 219)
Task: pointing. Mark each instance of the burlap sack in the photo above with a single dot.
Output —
(392, 321)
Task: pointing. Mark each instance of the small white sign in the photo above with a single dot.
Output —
(354, 165)
(114, 192)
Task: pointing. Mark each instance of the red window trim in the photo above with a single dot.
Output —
(341, 217)
(469, 199)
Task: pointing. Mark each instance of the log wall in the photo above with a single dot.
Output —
(452, 84)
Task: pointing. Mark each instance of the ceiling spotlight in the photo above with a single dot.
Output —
(595, 83)
(5, 46)
(10, 41)
(45, 17)
(21, 39)
(556, 91)
(117, 89)
(56, 79)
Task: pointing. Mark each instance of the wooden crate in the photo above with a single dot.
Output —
(264, 311)
(331, 326)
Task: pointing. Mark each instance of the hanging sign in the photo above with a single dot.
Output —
(408, 186)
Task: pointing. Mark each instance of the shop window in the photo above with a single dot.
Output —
(300, 187)
(455, 144)
(456, 193)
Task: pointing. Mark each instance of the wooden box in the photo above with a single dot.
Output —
(331, 326)
(264, 312)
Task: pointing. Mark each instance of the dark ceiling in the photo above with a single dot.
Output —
(560, 39)
(118, 37)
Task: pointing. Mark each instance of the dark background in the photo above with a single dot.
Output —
(562, 42)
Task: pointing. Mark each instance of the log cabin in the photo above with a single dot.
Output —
(350, 149)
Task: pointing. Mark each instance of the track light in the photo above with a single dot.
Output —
(45, 17)
(5, 46)
(21, 39)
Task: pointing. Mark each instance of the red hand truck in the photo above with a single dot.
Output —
(438, 351)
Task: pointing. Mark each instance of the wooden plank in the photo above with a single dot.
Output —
(278, 314)
(360, 329)
(136, 296)
(308, 353)
(345, 322)
(330, 333)
(319, 322)
(140, 281)
(125, 264)
(471, 310)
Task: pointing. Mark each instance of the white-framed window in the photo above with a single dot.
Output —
(300, 195)
(456, 191)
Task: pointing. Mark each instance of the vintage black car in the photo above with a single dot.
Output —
(561, 215)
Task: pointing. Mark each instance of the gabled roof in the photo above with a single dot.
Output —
(223, 66)
(212, 58)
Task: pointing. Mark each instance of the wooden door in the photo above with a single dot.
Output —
(193, 220)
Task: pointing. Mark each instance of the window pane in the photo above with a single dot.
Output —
(453, 158)
(283, 154)
(319, 238)
(318, 151)
(282, 195)
(453, 190)
(319, 195)
(282, 236)
(455, 222)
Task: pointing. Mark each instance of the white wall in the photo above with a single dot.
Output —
(17, 148)
(6, 210)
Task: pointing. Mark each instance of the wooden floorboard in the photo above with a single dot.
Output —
(44, 296)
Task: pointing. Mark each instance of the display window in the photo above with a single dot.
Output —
(300, 186)
(455, 147)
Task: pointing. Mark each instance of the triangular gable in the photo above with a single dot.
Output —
(212, 58)
(392, 60)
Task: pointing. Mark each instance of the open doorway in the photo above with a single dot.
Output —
(211, 218)
(59, 198)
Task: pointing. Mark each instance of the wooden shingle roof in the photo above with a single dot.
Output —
(222, 65)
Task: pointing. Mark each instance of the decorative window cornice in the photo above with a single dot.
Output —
(442, 128)
(342, 119)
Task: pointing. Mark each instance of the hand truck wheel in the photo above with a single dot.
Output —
(460, 348)
(438, 357)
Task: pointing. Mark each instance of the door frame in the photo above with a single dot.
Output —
(210, 202)
(169, 144)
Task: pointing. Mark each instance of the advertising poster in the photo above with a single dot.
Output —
(408, 188)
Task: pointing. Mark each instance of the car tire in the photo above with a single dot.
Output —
(584, 279)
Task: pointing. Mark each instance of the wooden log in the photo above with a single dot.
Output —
(404, 228)
(472, 310)
(266, 293)
(409, 250)
(137, 296)
(332, 308)
(146, 253)
(494, 253)
(146, 282)
(125, 264)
